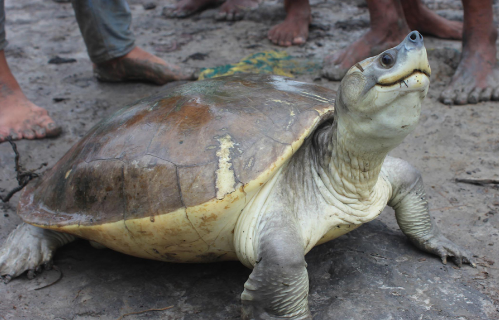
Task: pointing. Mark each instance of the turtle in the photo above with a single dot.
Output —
(256, 168)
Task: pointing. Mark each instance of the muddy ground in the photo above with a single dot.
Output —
(371, 273)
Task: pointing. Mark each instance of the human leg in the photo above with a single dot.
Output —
(19, 117)
(233, 10)
(388, 29)
(294, 30)
(186, 8)
(477, 75)
(422, 19)
(105, 27)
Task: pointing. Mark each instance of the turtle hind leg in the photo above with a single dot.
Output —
(29, 248)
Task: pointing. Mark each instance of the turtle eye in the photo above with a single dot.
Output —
(387, 60)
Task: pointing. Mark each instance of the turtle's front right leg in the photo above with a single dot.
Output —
(278, 286)
(29, 248)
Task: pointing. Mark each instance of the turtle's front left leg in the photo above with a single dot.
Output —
(278, 286)
(411, 210)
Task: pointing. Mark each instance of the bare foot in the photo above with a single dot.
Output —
(476, 78)
(185, 8)
(19, 117)
(388, 28)
(294, 30)
(233, 10)
(420, 18)
(372, 43)
(477, 75)
(139, 65)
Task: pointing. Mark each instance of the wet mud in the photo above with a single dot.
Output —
(370, 273)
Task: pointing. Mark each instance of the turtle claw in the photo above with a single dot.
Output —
(7, 279)
(25, 249)
(444, 248)
(49, 265)
(31, 274)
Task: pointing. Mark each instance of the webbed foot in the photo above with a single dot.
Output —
(444, 248)
(31, 249)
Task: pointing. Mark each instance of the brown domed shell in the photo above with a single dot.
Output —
(180, 148)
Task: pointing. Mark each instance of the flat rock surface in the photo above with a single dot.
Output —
(370, 273)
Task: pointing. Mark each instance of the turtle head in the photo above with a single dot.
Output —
(380, 97)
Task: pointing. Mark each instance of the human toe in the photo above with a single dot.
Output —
(176, 12)
(14, 135)
(28, 134)
(52, 129)
(474, 96)
(462, 97)
(495, 94)
(274, 35)
(299, 40)
(284, 41)
(486, 94)
(447, 96)
(221, 16)
(40, 132)
(234, 15)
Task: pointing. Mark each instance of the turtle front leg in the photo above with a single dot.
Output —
(411, 210)
(278, 286)
(29, 248)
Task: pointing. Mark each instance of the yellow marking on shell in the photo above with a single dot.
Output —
(291, 119)
(226, 181)
(280, 101)
(315, 97)
(67, 173)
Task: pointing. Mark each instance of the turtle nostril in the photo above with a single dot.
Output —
(413, 36)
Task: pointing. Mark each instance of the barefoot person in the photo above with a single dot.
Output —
(230, 10)
(292, 31)
(477, 75)
(105, 26)
(391, 20)
(19, 117)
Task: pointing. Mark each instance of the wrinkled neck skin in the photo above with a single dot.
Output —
(334, 179)
(349, 166)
